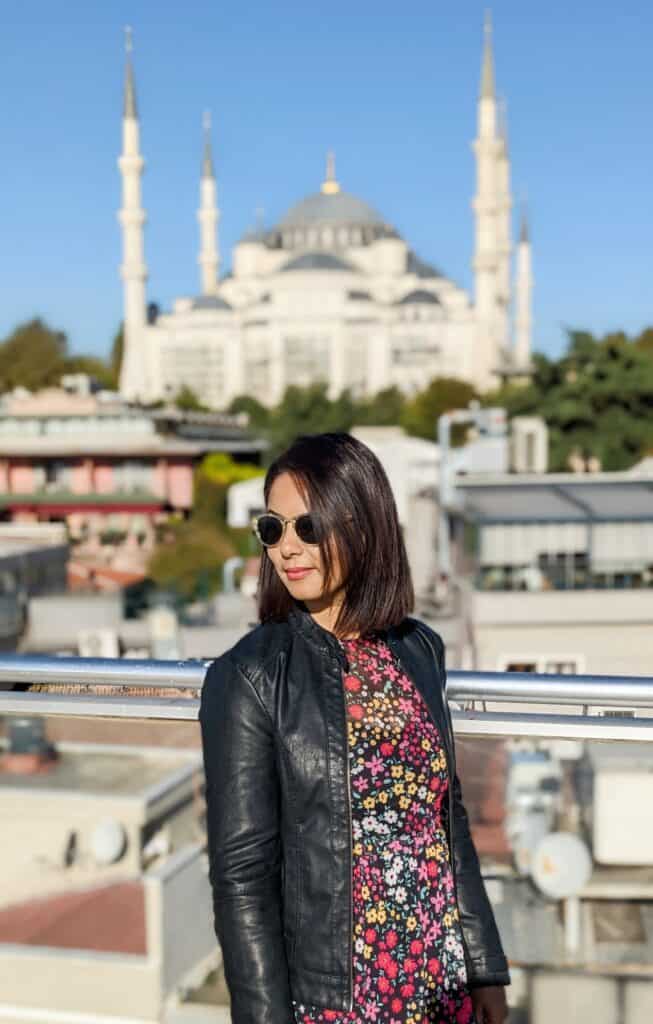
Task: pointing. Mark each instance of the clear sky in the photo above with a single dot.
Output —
(391, 87)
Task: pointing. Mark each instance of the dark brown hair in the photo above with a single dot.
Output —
(347, 491)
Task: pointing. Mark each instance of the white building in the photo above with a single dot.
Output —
(332, 292)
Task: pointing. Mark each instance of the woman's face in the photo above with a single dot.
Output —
(299, 565)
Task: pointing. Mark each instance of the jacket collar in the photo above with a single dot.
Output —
(302, 622)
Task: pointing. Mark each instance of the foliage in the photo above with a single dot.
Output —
(190, 559)
(94, 367)
(597, 399)
(420, 415)
(213, 477)
(308, 411)
(33, 356)
(188, 401)
(384, 409)
(259, 415)
(115, 356)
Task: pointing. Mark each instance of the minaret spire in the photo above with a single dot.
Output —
(134, 383)
(208, 216)
(523, 296)
(330, 184)
(487, 71)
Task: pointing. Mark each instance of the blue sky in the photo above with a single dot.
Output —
(391, 88)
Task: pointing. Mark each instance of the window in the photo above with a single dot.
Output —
(543, 664)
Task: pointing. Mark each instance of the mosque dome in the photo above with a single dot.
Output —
(332, 208)
(330, 218)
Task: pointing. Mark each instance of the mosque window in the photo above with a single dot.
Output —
(306, 358)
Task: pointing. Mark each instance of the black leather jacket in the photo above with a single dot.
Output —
(279, 818)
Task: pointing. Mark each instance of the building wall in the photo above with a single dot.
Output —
(606, 632)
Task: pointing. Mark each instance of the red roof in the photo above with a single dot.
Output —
(107, 919)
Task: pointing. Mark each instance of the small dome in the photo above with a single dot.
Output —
(210, 302)
(420, 295)
(317, 261)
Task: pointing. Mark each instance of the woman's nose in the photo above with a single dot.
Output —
(290, 542)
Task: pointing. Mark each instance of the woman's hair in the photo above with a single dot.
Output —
(347, 492)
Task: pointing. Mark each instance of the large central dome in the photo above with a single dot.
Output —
(331, 208)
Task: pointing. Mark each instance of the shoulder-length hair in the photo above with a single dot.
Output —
(347, 491)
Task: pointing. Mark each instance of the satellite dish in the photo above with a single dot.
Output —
(108, 841)
(561, 865)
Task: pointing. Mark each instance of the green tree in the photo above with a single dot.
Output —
(190, 559)
(213, 477)
(188, 401)
(33, 356)
(384, 409)
(596, 399)
(259, 415)
(93, 366)
(421, 413)
(115, 356)
(308, 411)
(644, 341)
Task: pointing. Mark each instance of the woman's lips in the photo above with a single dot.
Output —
(297, 574)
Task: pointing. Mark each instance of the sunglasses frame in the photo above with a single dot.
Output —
(284, 523)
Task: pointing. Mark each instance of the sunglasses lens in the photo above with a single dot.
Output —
(306, 529)
(269, 530)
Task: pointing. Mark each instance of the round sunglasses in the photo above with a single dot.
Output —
(270, 528)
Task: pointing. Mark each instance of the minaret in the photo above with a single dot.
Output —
(487, 148)
(133, 376)
(523, 298)
(504, 233)
(208, 216)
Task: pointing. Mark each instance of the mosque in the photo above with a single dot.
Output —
(331, 293)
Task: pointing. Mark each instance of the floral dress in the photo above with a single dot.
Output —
(408, 960)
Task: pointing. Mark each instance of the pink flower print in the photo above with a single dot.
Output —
(396, 1005)
(361, 784)
(391, 939)
(433, 931)
(406, 705)
(386, 748)
(352, 684)
(371, 1011)
(375, 764)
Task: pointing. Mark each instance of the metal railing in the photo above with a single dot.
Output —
(587, 695)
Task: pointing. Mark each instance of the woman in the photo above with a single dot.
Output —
(346, 886)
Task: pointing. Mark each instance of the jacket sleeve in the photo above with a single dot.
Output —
(485, 959)
(244, 847)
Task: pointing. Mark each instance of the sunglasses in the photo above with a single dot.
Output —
(270, 528)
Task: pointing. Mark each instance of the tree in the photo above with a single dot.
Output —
(93, 366)
(645, 341)
(308, 411)
(188, 401)
(213, 477)
(33, 356)
(420, 415)
(115, 357)
(259, 415)
(190, 560)
(384, 409)
(597, 399)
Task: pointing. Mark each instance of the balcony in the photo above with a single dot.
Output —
(104, 898)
